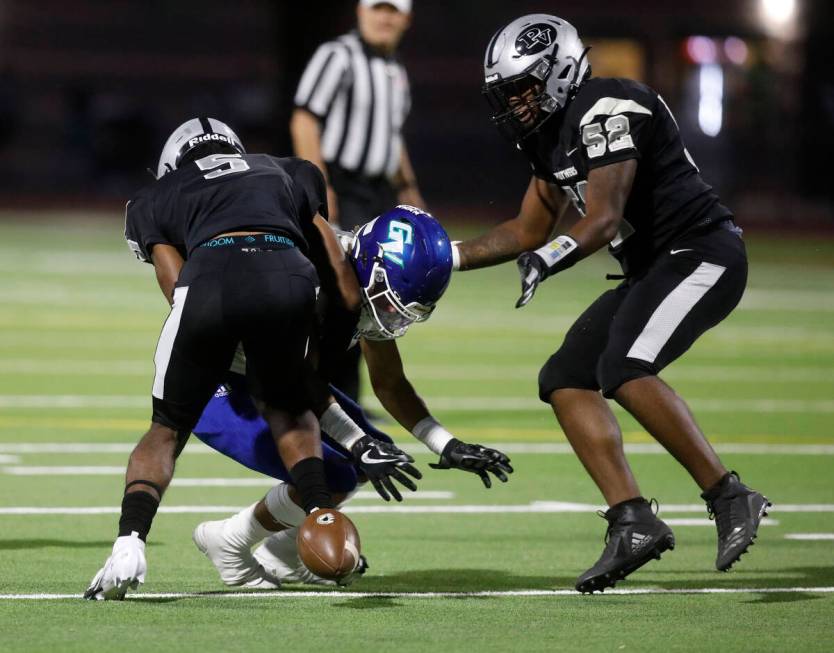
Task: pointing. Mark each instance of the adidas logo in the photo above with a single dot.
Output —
(638, 541)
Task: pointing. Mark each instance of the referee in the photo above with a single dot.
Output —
(351, 105)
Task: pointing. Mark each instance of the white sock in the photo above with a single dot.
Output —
(243, 530)
(282, 508)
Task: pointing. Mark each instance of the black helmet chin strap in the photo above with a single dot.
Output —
(576, 80)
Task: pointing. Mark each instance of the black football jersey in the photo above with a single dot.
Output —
(226, 192)
(612, 120)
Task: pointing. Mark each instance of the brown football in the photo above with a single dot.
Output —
(328, 544)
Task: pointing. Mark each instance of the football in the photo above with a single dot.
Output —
(328, 544)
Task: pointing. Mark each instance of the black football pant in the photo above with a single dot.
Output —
(648, 321)
(262, 298)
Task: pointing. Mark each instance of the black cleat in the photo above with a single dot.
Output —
(737, 511)
(635, 536)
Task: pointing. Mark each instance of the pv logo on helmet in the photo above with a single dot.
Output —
(535, 39)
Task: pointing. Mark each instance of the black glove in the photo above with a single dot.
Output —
(382, 461)
(476, 459)
(533, 271)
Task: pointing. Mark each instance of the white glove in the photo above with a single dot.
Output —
(124, 569)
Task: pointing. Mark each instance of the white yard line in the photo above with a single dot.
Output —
(74, 401)
(535, 507)
(77, 367)
(452, 404)
(682, 372)
(9, 460)
(810, 537)
(463, 371)
(767, 521)
(78, 470)
(289, 595)
(512, 448)
(787, 300)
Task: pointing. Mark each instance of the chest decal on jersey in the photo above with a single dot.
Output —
(567, 173)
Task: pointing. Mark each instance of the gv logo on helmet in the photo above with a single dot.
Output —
(401, 234)
(535, 39)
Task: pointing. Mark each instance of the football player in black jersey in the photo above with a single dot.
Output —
(227, 233)
(612, 147)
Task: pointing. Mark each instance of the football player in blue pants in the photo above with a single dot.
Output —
(403, 262)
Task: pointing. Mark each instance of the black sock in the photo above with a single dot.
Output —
(636, 502)
(308, 479)
(138, 511)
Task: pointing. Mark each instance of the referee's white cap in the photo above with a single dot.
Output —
(400, 5)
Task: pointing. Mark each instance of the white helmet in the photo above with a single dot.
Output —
(532, 69)
(193, 133)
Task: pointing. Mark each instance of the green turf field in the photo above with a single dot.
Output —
(459, 567)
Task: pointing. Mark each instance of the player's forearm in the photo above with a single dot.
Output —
(502, 243)
(167, 264)
(606, 196)
(402, 402)
(592, 233)
(342, 269)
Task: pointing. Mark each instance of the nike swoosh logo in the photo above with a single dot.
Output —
(367, 459)
(678, 251)
(572, 151)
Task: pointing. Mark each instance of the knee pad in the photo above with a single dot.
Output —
(282, 508)
(614, 369)
(562, 370)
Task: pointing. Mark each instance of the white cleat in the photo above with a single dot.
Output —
(125, 569)
(279, 556)
(235, 563)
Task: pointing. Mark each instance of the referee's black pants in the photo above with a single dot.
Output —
(361, 199)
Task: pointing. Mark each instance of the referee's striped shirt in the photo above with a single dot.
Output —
(362, 99)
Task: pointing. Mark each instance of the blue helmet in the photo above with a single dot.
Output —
(403, 260)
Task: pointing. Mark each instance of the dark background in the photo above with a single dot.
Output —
(89, 90)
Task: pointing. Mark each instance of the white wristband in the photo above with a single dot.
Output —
(429, 431)
(455, 255)
(557, 251)
(339, 426)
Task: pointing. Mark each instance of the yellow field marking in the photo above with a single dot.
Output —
(75, 423)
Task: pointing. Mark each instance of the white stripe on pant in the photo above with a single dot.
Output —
(668, 316)
(166, 342)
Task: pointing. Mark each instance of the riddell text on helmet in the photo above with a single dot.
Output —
(209, 137)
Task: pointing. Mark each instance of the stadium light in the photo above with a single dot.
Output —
(711, 100)
(778, 17)
(736, 50)
(701, 49)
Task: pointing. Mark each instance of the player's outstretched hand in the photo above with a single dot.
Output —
(532, 269)
(124, 569)
(382, 462)
(476, 459)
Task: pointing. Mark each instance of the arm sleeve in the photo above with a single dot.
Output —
(309, 190)
(615, 129)
(141, 229)
(322, 78)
